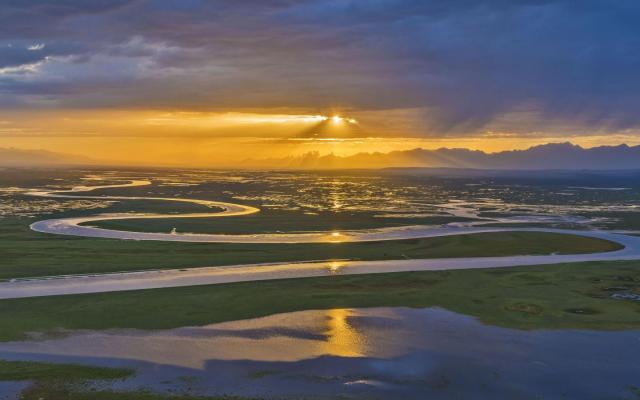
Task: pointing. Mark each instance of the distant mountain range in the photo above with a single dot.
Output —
(10, 157)
(557, 156)
(548, 156)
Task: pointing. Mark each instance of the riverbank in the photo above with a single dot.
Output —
(534, 297)
(30, 254)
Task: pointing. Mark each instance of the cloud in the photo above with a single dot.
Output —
(36, 47)
(22, 69)
(465, 64)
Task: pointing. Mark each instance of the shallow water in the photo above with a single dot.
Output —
(362, 353)
(75, 284)
(12, 390)
(82, 226)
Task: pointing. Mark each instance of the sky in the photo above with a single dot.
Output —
(188, 82)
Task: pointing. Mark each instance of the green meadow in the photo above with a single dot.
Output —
(25, 253)
(559, 296)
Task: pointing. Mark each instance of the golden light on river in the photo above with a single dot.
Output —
(342, 338)
(336, 237)
(335, 266)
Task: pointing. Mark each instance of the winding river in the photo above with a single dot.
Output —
(214, 275)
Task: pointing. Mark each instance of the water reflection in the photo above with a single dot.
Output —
(343, 339)
(391, 197)
(285, 337)
(360, 353)
(334, 267)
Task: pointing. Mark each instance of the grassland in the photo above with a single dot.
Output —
(552, 296)
(271, 221)
(549, 297)
(28, 254)
(51, 381)
(73, 382)
(27, 370)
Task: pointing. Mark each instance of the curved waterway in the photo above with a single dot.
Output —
(240, 273)
(80, 226)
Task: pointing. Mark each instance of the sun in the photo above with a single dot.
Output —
(336, 119)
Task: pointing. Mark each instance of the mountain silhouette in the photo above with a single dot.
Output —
(546, 156)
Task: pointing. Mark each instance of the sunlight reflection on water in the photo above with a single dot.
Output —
(364, 353)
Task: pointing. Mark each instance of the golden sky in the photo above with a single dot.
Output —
(212, 83)
(225, 139)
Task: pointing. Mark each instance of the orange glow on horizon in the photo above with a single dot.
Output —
(227, 139)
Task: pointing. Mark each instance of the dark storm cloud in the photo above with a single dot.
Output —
(465, 62)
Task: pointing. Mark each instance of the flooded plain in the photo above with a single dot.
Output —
(354, 353)
(402, 198)
(359, 353)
